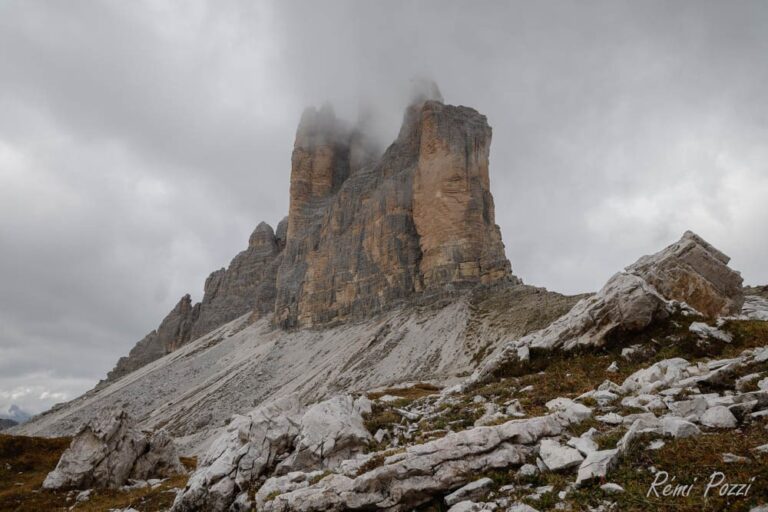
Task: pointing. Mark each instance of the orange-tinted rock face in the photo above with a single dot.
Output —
(452, 203)
(365, 231)
(414, 221)
(693, 271)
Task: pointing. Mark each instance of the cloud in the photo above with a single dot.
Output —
(141, 142)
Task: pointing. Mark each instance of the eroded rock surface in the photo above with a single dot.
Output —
(407, 479)
(109, 451)
(693, 271)
(365, 231)
(689, 270)
(246, 285)
(417, 220)
(278, 438)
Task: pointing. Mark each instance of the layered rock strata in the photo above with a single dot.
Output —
(246, 285)
(688, 273)
(365, 231)
(419, 220)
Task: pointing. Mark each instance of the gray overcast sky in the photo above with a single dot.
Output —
(141, 142)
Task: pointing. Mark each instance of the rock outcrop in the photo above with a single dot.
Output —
(278, 437)
(174, 331)
(688, 273)
(109, 451)
(694, 272)
(405, 480)
(365, 231)
(246, 285)
(417, 220)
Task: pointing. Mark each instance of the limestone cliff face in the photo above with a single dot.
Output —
(248, 284)
(418, 220)
(365, 230)
(452, 204)
(174, 331)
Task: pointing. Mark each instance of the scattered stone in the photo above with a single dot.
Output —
(596, 465)
(755, 308)
(521, 507)
(678, 427)
(585, 445)
(557, 457)
(705, 331)
(529, 470)
(611, 418)
(656, 444)
(644, 401)
(471, 506)
(692, 409)
(471, 491)
(613, 368)
(718, 417)
(575, 412)
(662, 374)
(730, 458)
(612, 488)
(84, 496)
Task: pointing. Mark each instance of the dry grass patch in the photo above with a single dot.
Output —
(418, 390)
(691, 460)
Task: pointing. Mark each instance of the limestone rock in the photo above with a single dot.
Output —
(678, 427)
(718, 417)
(755, 308)
(405, 480)
(246, 285)
(661, 374)
(471, 491)
(690, 271)
(693, 271)
(250, 446)
(175, 330)
(558, 457)
(707, 331)
(281, 439)
(626, 303)
(330, 432)
(108, 451)
(417, 220)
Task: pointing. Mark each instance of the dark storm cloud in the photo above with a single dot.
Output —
(140, 142)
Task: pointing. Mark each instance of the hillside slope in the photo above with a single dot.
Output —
(195, 390)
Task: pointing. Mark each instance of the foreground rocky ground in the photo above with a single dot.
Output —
(651, 394)
(521, 440)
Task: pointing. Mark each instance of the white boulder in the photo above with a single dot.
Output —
(108, 451)
(718, 417)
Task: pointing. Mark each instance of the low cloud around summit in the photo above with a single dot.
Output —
(141, 143)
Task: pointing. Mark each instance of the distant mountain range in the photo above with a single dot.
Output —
(14, 414)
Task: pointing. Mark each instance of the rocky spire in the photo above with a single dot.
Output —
(420, 219)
